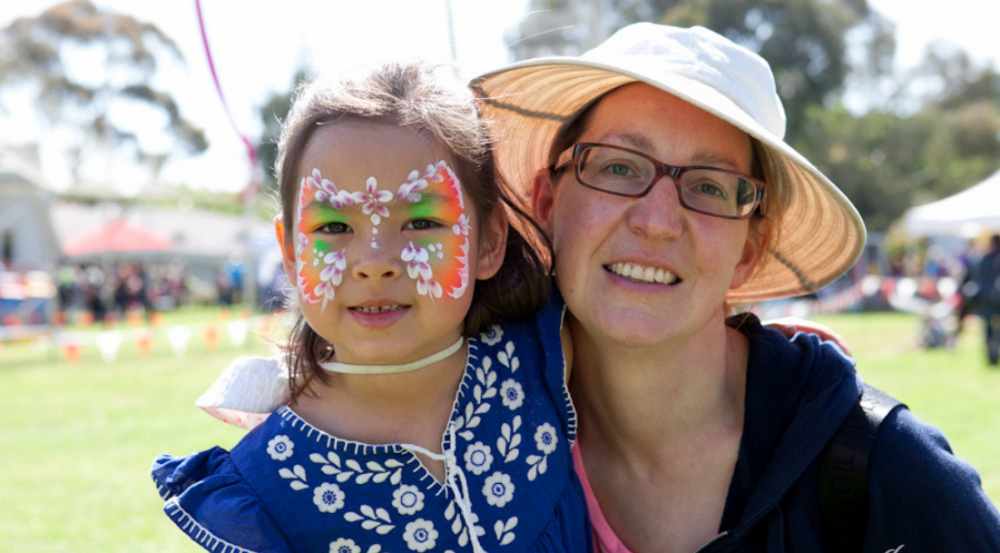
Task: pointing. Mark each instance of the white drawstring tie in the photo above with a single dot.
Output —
(454, 472)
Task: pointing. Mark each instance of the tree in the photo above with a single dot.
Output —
(805, 41)
(41, 54)
(272, 114)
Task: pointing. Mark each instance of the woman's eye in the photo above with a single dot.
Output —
(421, 224)
(618, 170)
(335, 228)
(710, 189)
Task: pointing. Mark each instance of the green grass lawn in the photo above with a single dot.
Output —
(77, 440)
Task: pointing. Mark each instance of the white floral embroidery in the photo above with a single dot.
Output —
(492, 336)
(344, 545)
(374, 198)
(546, 438)
(509, 439)
(458, 524)
(407, 499)
(297, 475)
(328, 497)
(478, 458)
(372, 519)
(420, 535)
(481, 393)
(280, 447)
(508, 359)
(503, 530)
(512, 393)
(498, 489)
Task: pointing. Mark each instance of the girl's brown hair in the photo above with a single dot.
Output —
(412, 95)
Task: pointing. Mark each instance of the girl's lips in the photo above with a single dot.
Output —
(377, 317)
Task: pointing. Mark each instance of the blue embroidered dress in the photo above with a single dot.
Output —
(288, 486)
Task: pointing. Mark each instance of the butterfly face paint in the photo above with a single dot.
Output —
(440, 262)
(319, 266)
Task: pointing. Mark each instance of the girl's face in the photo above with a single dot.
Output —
(686, 261)
(384, 248)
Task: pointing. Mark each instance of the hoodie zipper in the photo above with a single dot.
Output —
(713, 541)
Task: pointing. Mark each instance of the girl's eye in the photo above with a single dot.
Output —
(421, 224)
(335, 228)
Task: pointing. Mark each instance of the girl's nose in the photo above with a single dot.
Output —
(375, 263)
(659, 214)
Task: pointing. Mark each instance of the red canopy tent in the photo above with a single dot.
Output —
(118, 236)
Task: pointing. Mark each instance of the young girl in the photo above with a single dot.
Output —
(428, 403)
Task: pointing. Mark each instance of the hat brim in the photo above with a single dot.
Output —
(821, 233)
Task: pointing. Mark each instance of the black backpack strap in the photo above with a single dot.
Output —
(843, 472)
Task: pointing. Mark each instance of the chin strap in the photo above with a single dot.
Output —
(391, 369)
(456, 482)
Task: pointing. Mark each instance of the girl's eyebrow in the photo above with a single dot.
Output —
(426, 197)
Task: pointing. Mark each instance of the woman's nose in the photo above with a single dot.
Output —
(376, 263)
(658, 214)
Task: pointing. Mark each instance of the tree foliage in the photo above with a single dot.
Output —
(272, 114)
(919, 137)
(35, 54)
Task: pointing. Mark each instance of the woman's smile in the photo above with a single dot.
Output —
(641, 273)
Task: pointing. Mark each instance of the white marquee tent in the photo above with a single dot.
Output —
(964, 215)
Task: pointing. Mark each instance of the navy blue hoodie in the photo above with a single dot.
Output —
(922, 497)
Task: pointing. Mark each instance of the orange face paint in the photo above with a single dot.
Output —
(439, 263)
(319, 267)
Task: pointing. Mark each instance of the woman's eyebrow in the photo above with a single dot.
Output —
(631, 140)
(644, 144)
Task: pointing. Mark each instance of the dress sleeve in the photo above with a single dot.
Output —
(922, 496)
(250, 389)
(212, 503)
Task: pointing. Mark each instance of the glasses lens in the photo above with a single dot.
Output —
(717, 192)
(616, 171)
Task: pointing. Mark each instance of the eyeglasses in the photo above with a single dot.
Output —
(625, 172)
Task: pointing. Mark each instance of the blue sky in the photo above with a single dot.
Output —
(257, 48)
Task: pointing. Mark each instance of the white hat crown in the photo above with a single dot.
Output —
(700, 55)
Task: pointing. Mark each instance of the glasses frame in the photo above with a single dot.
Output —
(662, 170)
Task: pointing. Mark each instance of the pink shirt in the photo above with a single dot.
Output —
(605, 540)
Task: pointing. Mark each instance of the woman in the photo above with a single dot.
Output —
(694, 430)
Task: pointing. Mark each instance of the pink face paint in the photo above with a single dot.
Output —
(439, 262)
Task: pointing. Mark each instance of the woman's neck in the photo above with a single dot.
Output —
(636, 400)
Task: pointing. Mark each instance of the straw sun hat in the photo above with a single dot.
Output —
(821, 234)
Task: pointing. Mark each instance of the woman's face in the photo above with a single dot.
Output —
(686, 261)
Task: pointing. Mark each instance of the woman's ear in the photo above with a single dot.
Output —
(542, 200)
(287, 251)
(492, 244)
(753, 252)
